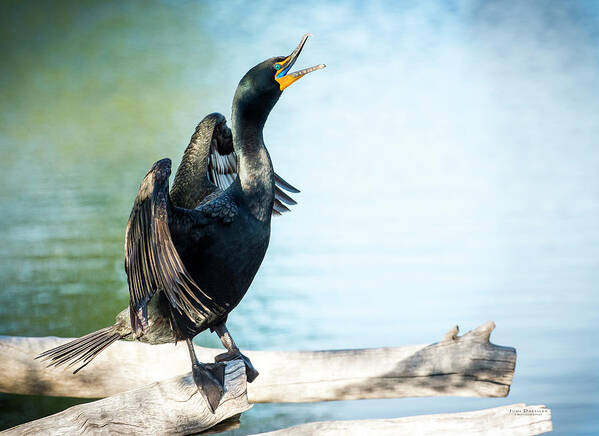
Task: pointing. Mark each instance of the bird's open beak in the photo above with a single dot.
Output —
(283, 77)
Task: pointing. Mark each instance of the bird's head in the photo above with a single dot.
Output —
(281, 66)
(260, 88)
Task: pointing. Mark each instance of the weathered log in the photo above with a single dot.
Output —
(171, 406)
(513, 420)
(457, 366)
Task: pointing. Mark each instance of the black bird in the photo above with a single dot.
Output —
(191, 255)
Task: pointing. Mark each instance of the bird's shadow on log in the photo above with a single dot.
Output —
(44, 388)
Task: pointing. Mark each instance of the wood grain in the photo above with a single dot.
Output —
(512, 420)
(467, 365)
(171, 406)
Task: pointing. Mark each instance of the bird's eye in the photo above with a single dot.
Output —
(277, 66)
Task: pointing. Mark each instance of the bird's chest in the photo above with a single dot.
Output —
(225, 262)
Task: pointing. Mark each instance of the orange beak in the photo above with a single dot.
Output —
(283, 77)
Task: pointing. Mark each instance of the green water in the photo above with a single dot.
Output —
(447, 160)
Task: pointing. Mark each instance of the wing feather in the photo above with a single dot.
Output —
(222, 170)
(151, 259)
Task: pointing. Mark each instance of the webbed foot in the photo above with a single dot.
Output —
(250, 372)
(210, 380)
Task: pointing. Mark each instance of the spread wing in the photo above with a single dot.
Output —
(222, 170)
(151, 259)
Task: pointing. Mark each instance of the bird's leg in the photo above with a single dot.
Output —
(233, 352)
(208, 377)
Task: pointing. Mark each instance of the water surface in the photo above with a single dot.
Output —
(447, 159)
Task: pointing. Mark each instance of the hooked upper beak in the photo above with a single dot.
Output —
(283, 77)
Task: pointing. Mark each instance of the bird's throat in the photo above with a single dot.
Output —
(255, 168)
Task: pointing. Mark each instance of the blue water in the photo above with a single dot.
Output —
(447, 160)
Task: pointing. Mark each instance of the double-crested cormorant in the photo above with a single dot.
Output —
(191, 255)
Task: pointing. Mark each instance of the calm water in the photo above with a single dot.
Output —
(447, 158)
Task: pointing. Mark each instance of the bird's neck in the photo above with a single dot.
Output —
(191, 183)
(255, 167)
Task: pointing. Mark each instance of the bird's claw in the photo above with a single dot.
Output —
(250, 372)
(210, 380)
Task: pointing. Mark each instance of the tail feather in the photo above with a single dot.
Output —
(74, 348)
(90, 350)
(85, 349)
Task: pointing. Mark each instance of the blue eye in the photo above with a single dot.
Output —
(277, 66)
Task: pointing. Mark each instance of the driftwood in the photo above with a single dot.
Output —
(468, 365)
(168, 407)
(513, 420)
